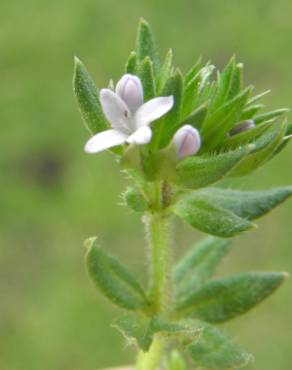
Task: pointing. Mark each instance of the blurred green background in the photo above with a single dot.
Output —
(53, 196)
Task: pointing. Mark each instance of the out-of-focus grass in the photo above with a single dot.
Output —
(53, 196)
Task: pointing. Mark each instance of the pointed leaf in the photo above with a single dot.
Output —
(193, 71)
(164, 129)
(145, 45)
(215, 351)
(190, 91)
(224, 81)
(87, 96)
(264, 147)
(199, 264)
(217, 125)
(113, 279)
(199, 171)
(247, 204)
(223, 299)
(257, 97)
(209, 218)
(270, 115)
(236, 81)
(165, 71)
(131, 65)
(145, 72)
(135, 200)
(184, 329)
(247, 136)
(136, 329)
(250, 111)
(197, 117)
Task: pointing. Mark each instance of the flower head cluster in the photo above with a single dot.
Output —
(128, 115)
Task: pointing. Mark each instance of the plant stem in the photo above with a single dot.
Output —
(157, 229)
(150, 360)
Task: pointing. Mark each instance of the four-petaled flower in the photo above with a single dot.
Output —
(128, 115)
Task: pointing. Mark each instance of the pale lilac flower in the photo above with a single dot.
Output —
(187, 141)
(128, 115)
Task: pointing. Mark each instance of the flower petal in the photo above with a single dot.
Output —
(130, 89)
(104, 140)
(116, 111)
(152, 110)
(141, 136)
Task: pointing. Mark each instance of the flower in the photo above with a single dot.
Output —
(187, 141)
(128, 115)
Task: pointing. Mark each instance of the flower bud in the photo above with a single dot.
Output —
(241, 127)
(187, 141)
(130, 89)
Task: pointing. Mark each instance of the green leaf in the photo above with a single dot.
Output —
(270, 115)
(209, 218)
(87, 96)
(193, 71)
(113, 279)
(199, 171)
(141, 329)
(215, 351)
(247, 204)
(264, 147)
(205, 74)
(289, 129)
(257, 97)
(197, 117)
(145, 45)
(136, 329)
(131, 65)
(199, 264)
(250, 111)
(247, 136)
(217, 125)
(286, 140)
(145, 72)
(236, 82)
(166, 126)
(165, 71)
(190, 91)
(185, 329)
(223, 299)
(224, 81)
(135, 200)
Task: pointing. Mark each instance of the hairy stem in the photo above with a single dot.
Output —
(150, 360)
(157, 229)
(160, 291)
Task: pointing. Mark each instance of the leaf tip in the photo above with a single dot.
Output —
(285, 275)
(90, 242)
(143, 22)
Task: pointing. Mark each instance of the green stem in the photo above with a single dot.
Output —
(150, 360)
(157, 229)
(158, 226)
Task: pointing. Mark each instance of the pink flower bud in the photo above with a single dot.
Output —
(241, 127)
(187, 141)
(130, 89)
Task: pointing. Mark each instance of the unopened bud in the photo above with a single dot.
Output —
(130, 89)
(241, 127)
(187, 141)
